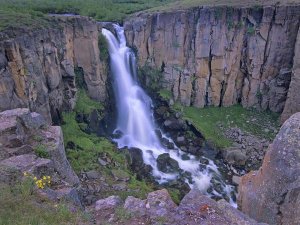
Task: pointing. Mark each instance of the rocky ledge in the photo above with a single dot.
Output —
(28, 145)
(159, 208)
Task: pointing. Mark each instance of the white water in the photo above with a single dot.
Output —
(136, 123)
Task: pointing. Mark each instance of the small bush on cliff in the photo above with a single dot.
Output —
(85, 104)
(41, 151)
(103, 48)
(150, 77)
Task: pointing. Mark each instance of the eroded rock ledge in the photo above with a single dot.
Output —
(37, 67)
(221, 56)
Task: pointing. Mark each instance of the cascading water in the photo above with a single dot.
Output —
(136, 123)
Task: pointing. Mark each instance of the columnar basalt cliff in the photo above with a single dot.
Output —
(37, 67)
(221, 56)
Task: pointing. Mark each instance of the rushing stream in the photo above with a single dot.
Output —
(136, 123)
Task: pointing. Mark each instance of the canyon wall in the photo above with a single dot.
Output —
(37, 68)
(221, 56)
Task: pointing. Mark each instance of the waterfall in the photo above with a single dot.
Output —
(136, 123)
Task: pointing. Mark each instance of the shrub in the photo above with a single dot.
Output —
(41, 151)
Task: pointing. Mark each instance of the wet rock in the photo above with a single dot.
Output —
(175, 124)
(166, 164)
(185, 157)
(167, 143)
(111, 202)
(134, 157)
(181, 140)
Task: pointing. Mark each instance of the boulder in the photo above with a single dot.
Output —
(234, 156)
(272, 194)
(108, 203)
(166, 164)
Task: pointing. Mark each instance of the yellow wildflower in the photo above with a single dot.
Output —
(35, 178)
(25, 174)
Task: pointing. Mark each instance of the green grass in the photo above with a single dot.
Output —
(85, 104)
(165, 94)
(207, 121)
(21, 206)
(41, 151)
(185, 4)
(21, 13)
(89, 147)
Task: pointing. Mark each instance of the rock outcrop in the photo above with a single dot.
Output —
(159, 208)
(221, 56)
(272, 194)
(37, 68)
(28, 144)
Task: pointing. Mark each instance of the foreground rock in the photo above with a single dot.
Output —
(159, 208)
(28, 144)
(272, 194)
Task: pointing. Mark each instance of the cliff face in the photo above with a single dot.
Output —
(37, 68)
(221, 56)
(272, 194)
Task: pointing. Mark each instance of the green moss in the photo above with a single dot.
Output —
(103, 47)
(165, 94)
(175, 195)
(150, 76)
(208, 121)
(85, 104)
(41, 151)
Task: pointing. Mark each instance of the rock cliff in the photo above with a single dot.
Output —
(272, 194)
(221, 56)
(37, 67)
(29, 145)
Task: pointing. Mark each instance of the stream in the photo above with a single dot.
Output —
(135, 123)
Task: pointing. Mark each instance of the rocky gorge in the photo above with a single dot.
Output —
(205, 56)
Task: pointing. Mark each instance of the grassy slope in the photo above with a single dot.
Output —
(20, 13)
(21, 206)
(184, 4)
(89, 148)
(208, 121)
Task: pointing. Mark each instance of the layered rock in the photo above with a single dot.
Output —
(221, 56)
(28, 144)
(272, 194)
(159, 208)
(37, 67)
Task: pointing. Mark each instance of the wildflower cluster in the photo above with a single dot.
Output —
(41, 183)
